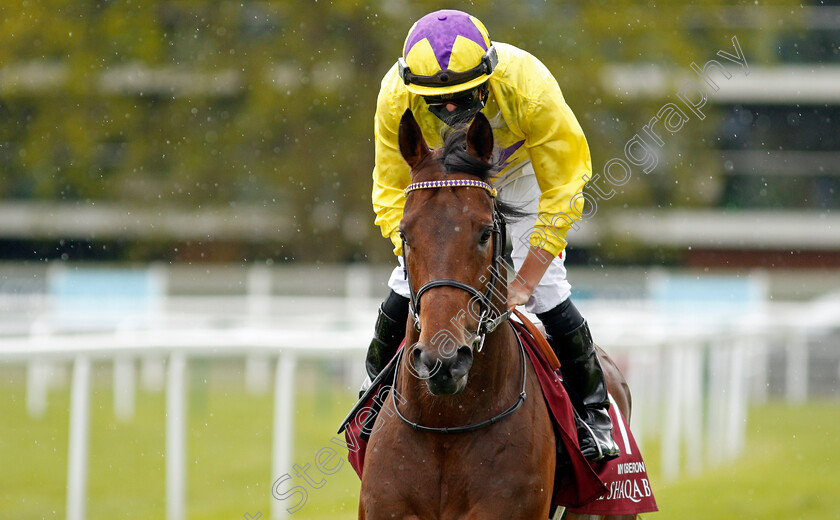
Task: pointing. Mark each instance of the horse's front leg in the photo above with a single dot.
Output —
(509, 507)
(392, 511)
(498, 513)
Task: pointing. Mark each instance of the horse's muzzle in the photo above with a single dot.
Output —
(443, 375)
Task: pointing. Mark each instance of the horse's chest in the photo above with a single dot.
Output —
(447, 464)
(479, 475)
(442, 480)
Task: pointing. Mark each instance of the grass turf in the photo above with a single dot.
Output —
(789, 469)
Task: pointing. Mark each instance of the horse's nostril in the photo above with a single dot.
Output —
(425, 366)
(463, 362)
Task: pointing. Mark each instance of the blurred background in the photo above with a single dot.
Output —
(189, 270)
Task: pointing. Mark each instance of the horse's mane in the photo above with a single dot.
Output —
(456, 159)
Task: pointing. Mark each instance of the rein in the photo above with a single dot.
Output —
(486, 325)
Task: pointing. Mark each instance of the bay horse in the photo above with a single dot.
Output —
(475, 440)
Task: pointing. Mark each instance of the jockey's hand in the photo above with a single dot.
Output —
(516, 296)
(529, 275)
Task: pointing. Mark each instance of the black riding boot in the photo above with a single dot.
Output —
(571, 340)
(388, 333)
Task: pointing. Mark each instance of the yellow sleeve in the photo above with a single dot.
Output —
(390, 172)
(560, 157)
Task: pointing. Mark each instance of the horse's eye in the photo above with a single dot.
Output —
(485, 237)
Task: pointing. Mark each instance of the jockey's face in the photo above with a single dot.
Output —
(459, 107)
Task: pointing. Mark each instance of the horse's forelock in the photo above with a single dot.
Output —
(456, 159)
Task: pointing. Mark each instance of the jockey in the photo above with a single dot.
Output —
(448, 72)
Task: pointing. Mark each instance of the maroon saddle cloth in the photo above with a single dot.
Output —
(617, 487)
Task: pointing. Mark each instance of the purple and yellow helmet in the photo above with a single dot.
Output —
(445, 52)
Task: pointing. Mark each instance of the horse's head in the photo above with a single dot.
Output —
(451, 242)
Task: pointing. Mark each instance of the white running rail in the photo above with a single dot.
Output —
(699, 420)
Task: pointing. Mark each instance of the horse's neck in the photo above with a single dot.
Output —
(495, 380)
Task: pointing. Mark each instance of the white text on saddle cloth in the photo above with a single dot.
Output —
(628, 488)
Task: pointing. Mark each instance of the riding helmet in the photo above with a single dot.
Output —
(448, 56)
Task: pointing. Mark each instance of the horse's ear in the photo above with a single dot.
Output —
(412, 145)
(480, 138)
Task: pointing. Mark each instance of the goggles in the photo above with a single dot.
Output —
(467, 105)
(458, 98)
(445, 78)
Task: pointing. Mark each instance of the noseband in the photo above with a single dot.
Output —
(486, 324)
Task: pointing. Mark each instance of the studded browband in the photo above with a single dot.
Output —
(451, 183)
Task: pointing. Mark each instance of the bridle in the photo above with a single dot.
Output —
(486, 323)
